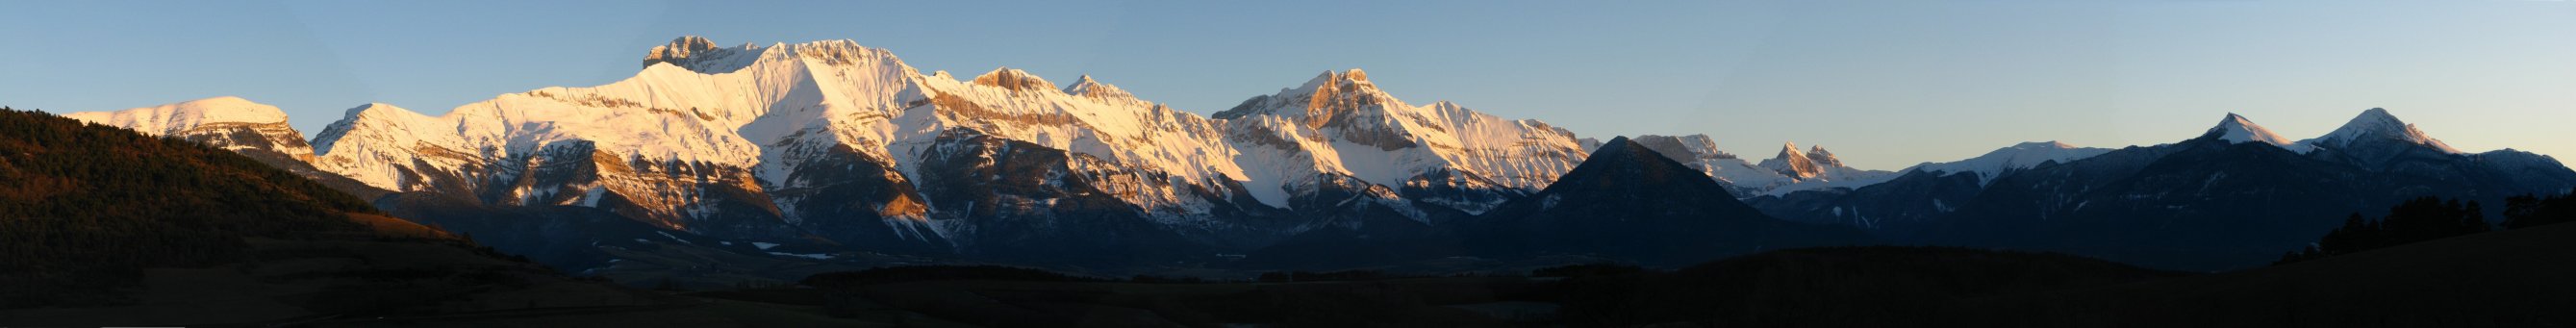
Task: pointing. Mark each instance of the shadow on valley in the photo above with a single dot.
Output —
(1855, 286)
(2514, 278)
(2448, 274)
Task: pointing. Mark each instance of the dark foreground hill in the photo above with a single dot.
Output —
(2512, 278)
(1844, 286)
(86, 207)
(102, 226)
(2516, 278)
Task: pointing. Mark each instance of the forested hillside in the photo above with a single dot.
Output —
(85, 206)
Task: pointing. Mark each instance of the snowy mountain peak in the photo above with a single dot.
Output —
(378, 112)
(750, 140)
(2236, 129)
(1789, 150)
(174, 117)
(1330, 83)
(2019, 156)
(1333, 97)
(1745, 178)
(1352, 81)
(1014, 79)
(1823, 158)
(2042, 145)
(1794, 163)
(231, 123)
(697, 54)
(1094, 89)
(390, 132)
(363, 109)
(2378, 124)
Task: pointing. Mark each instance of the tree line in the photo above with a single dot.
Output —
(2430, 218)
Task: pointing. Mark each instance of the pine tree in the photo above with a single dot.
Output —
(2416, 220)
(2532, 211)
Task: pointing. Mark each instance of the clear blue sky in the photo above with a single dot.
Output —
(1883, 84)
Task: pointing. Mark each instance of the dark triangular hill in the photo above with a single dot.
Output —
(1628, 202)
(101, 226)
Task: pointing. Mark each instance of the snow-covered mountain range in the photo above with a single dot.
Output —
(834, 140)
(833, 143)
(2236, 195)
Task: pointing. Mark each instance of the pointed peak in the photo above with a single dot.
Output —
(372, 107)
(1791, 156)
(1094, 89)
(1622, 147)
(2237, 129)
(2376, 119)
(1620, 141)
(2379, 124)
(2234, 121)
(1013, 79)
(2379, 112)
(1793, 163)
(1622, 167)
(1318, 100)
